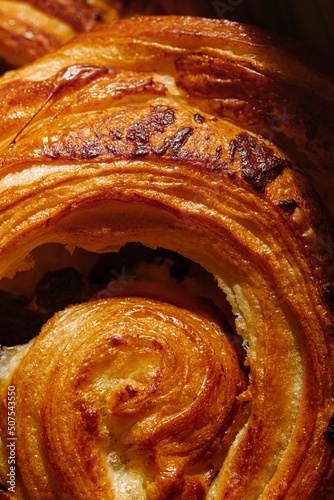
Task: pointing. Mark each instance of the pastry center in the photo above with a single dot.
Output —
(133, 391)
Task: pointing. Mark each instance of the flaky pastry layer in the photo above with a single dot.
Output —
(170, 137)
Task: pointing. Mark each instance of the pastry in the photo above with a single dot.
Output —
(206, 138)
(32, 28)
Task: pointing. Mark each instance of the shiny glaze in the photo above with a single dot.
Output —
(140, 146)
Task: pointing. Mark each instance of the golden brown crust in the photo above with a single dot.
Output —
(154, 143)
(172, 371)
(80, 14)
(29, 29)
(258, 80)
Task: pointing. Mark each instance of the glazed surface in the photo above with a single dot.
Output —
(173, 139)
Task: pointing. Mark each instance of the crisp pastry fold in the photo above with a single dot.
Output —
(167, 138)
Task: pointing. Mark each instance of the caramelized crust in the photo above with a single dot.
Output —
(167, 138)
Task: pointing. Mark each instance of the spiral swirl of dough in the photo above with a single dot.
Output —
(148, 384)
